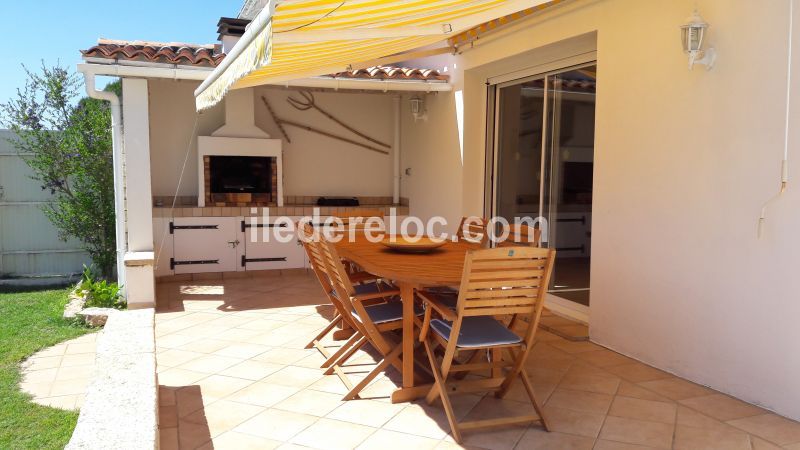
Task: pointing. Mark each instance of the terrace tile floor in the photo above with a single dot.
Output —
(233, 373)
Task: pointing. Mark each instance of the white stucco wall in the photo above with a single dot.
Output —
(319, 165)
(683, 162)
(313, 164)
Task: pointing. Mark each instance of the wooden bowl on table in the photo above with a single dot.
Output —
(419, 245)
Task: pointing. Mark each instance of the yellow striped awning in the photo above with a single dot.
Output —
(292, 39)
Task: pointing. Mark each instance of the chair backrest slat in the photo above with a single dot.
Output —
(506, 281)
(473, 228)
(522, 235)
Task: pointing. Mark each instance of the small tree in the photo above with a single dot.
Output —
(69, 139)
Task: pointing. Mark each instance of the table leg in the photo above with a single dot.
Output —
(407, 295)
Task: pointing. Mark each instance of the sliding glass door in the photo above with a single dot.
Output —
(543, 166)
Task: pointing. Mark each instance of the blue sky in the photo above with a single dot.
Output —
(52, 30)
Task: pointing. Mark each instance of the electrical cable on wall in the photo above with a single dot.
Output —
(180, 180)
(785, 162)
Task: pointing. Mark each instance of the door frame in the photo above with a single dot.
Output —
(557, 304)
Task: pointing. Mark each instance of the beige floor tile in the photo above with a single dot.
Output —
(231, 440)
(223, 416)
(428, 421)
(210, 364)
(580, 401)
(639, 432)
(299, 377)
(192, 435)
(252, 370)
(333, 434)
(237, 335)
(285, 356)
(263, 394)
(501, 437)
(760, 444)
(691, 418)
(676, 388)
(242, 350)
(276, 424)
(638, 372)
(167, 416)
(175, 341)
(60, 402)
(79, 348)
(573, 422)
(632, 390)
(174, 357)
(201, 345)
(82, 359)
(166, 396)
(590, 383)
(179, 377)
(75, 372)
(314, 403)
(574, 347)
(537, 439)
(221, 386)
(366, 412)
(722, 407)
(40, 376)
(604, 358)
(38, 389)
(262, 325)
(168, 439)
(45, 362)
(68, 387)
(189, 399)
(634, 408)
(56, 350)
(690, 438)
(771, 427)
(386, 439)
(603, 444)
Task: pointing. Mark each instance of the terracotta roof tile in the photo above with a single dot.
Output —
(157, 52)
(211, 56)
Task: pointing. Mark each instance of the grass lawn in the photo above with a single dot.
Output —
(31, 321)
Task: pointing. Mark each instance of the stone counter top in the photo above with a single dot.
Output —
(286, 210)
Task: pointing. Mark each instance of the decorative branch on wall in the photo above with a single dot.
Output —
(309, 103)
(281, 122)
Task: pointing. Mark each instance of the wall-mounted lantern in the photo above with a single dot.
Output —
(418, 108)
(692, 35)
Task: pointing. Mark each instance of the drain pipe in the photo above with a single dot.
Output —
(396, 150)
(785, 162)
(116, 145)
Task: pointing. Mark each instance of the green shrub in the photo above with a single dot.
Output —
(100, 293)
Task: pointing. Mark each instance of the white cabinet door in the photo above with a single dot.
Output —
(263, 251)
(204, 244)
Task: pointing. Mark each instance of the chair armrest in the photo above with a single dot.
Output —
(431, 300)
(381, 294)
(357, 277)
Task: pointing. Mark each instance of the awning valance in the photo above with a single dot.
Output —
(293, 39)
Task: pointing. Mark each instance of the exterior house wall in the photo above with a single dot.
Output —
(683, 163)
(313, 164)
(318, 165)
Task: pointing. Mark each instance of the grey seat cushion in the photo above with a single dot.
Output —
(447, 296)
(479, 331)
(361, 289)
(386, 312)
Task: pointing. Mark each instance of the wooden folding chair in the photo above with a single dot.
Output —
(519, 234)
(498, 282)
(368, 283)
(373, 321)
(474, 229)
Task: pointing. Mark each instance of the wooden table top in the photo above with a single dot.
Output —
(441, 267)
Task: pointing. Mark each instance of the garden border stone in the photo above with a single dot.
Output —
(121, 407)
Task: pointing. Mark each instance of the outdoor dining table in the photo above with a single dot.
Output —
(408, 271)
